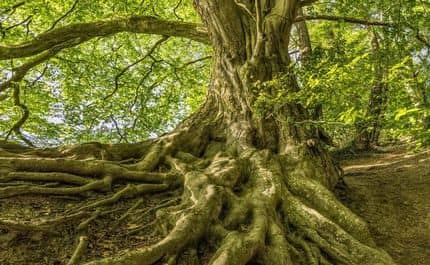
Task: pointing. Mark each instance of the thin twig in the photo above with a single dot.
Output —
(118, 130)
(195, 61)
(64, 16)
(20, 72)
(176, 8)
(16, 128)
(13, 8)
(123, 71)
(18, 24)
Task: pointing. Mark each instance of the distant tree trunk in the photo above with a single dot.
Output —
(255, 185)
(305, 45)
(369, 129)
(420, 97)
(305, 49)
(426, 106)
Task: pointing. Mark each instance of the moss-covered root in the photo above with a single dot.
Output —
(80, 176)
(190, 227)
(252, 208)
(79, 251)
(254, 211)
(312, 229)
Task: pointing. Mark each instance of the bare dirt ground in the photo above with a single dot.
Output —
(391, 191)
(55, 245)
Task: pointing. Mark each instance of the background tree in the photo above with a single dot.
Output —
(369, 129)
(340, 76)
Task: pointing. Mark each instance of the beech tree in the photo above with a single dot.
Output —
(254, 177)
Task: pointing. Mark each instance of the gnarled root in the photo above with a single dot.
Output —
(249, 207)
(275, 218)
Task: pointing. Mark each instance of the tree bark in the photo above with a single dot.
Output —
(305, 49)
(420, 96)
(255, 184)
(305, 45)
(369, 129)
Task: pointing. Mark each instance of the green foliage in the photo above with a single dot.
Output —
(110, 89)
(271, 95)
(84, 93)
(341, 70)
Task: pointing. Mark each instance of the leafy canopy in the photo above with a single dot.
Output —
(129, 86)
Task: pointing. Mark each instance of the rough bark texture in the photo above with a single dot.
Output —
(256, 186)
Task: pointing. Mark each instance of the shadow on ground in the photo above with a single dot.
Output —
(391, 191)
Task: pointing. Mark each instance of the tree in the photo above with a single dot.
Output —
(305, 50)
(419, 95)
(343, 70)
(369, 129)
(255, 179)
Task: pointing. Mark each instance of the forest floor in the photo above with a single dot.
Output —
(390, 190)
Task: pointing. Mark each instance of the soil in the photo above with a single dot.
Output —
(105, 236)
(391, 191)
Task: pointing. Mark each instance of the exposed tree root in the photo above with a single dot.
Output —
(319, 227)
(128, 192)
(45, 226)
(69, 171)
(47, 176)
(251, 207)
(255, 183)
(79, 252)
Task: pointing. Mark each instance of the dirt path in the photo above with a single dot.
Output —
(391, 191)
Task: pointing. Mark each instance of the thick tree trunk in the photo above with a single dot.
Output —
(255, 184)
(369, 129)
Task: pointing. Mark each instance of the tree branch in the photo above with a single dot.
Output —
(124, 70)
(87, 31)
(195, 61)
(20, 72)
(16, 128)
(13, 8)
(307, 2)
(366, 22)
(344, 19)
(422, 39)
(118, 130)
(25, 22)
(72, 8)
